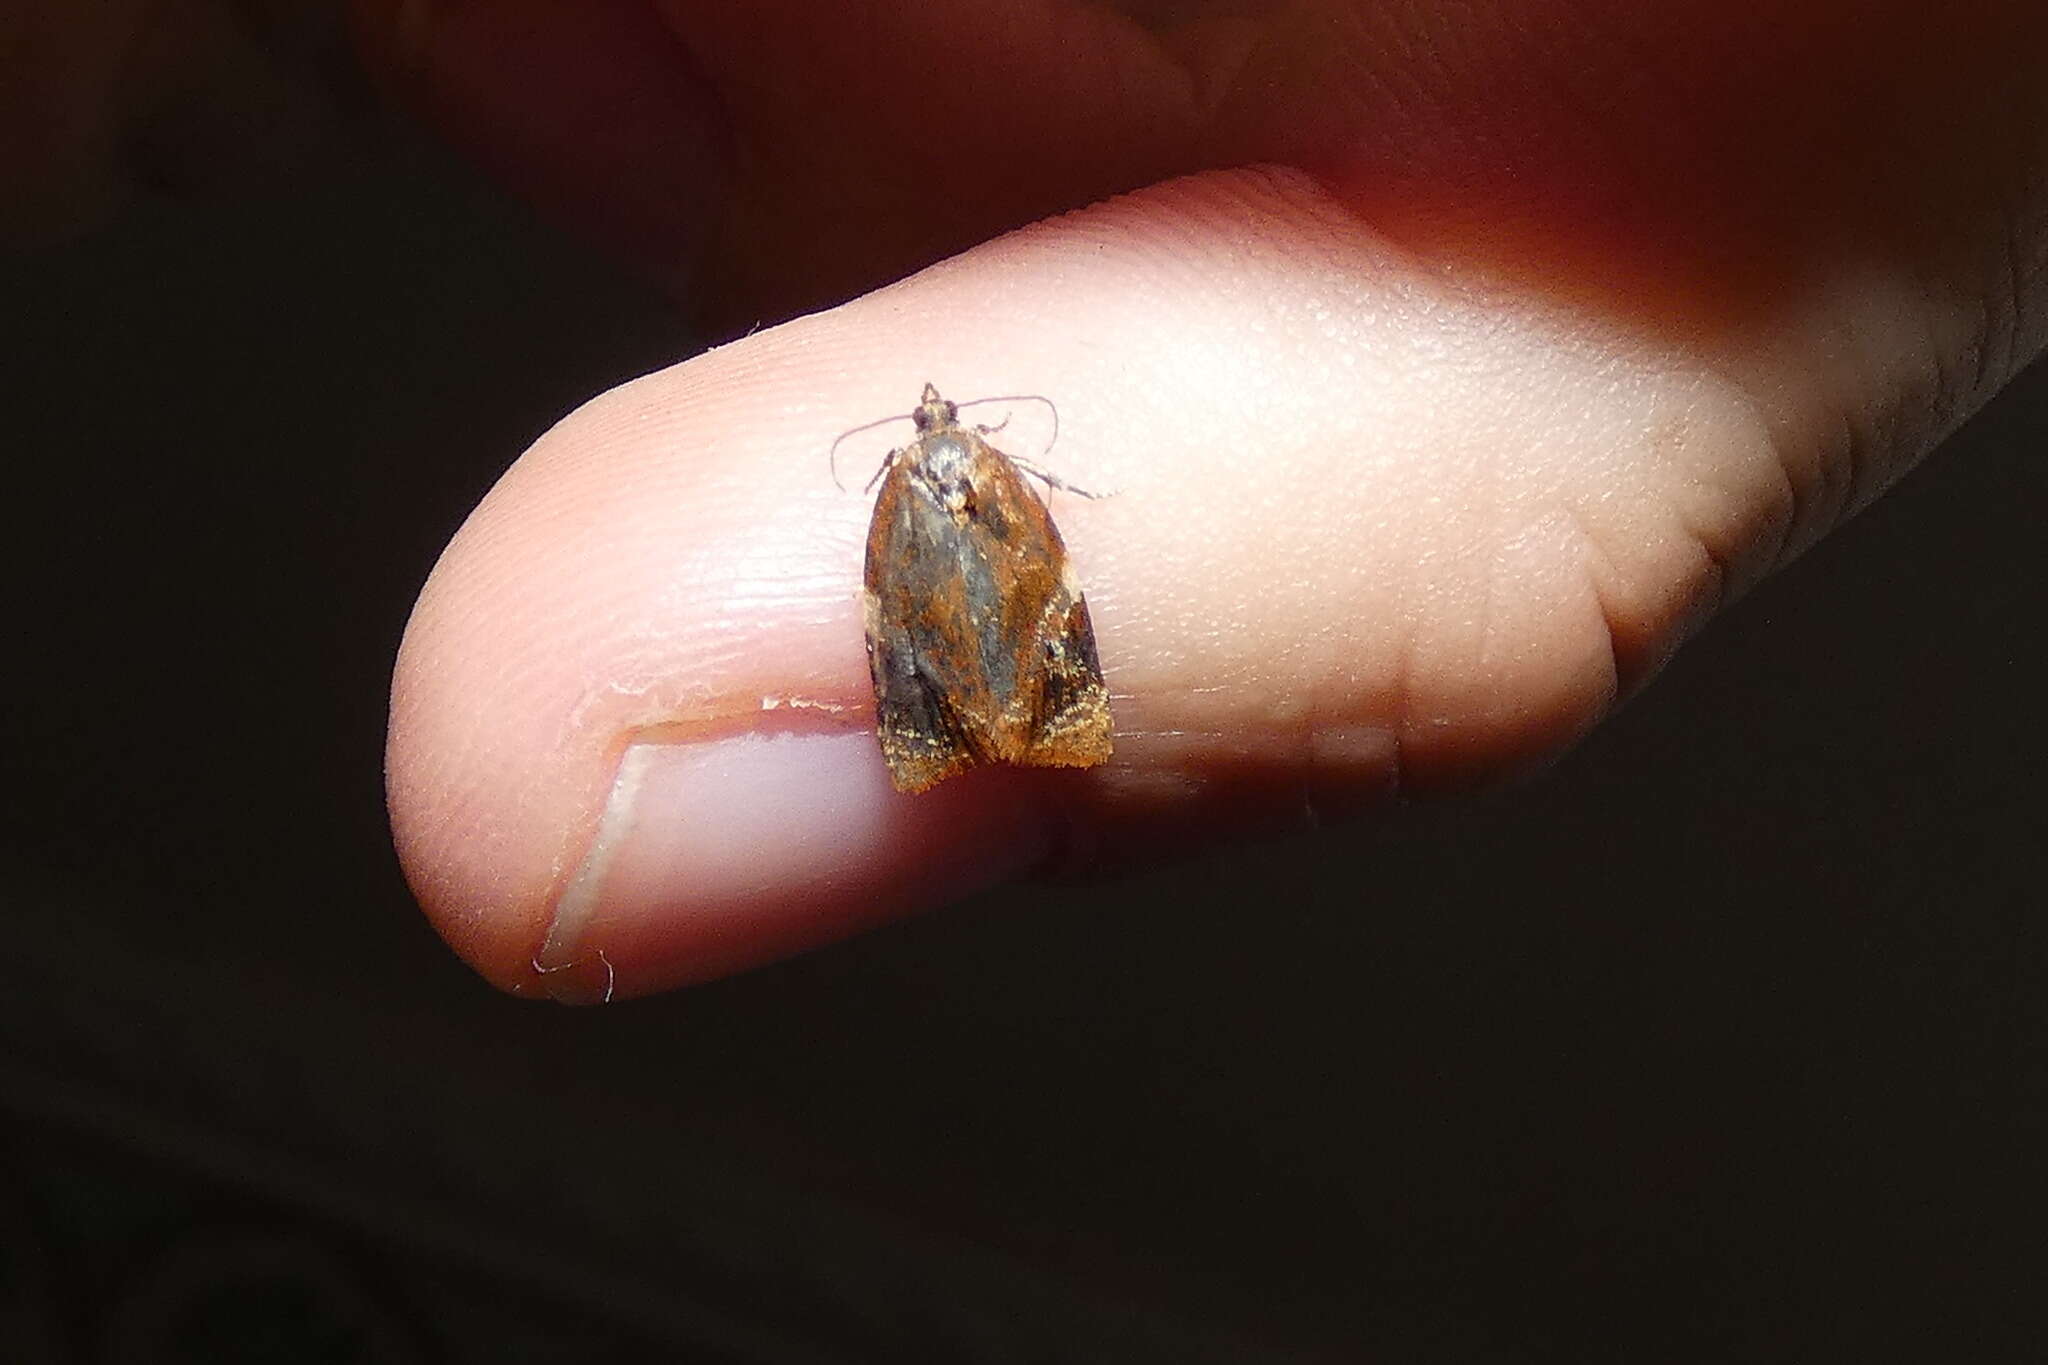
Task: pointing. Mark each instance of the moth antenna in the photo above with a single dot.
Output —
(832, 456)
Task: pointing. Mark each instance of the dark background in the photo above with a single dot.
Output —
(1725, 1040)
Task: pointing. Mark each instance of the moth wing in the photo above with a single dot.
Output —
(1060, 706)
(979, 641)
(921, 739)
(922, 684)
(1072, 724)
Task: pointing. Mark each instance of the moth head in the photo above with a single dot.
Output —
(933, 411)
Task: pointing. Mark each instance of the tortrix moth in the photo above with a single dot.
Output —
(978, 636)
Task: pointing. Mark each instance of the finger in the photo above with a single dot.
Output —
(1377, 530)
(1671, 155)
(592, 111)
(796, 173)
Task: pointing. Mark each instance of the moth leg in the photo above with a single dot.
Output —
(1052, 480)
(887, 465)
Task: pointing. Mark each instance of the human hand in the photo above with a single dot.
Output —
(1530, 337)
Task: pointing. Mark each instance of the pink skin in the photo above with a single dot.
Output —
(1422, 460)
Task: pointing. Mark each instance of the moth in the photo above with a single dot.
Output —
(978, 636)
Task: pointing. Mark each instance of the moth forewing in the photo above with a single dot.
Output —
(978, 636)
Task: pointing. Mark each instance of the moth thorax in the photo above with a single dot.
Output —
(947, 467)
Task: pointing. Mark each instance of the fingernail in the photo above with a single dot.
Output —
(713, 828)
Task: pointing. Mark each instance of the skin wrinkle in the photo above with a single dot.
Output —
(1925, 403)
(1996, 336)
(1611, 584)
(2007, 327)
(2024, 270)
(1786, 525)
(1861, 447)
(1610, 612)
(1726, 582)
(1840, 476)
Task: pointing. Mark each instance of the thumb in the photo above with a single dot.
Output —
(1378, 529)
